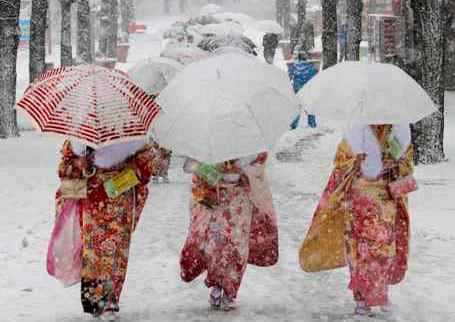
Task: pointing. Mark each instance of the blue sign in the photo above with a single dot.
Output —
(24, 25)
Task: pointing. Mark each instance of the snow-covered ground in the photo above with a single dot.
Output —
(153, 290)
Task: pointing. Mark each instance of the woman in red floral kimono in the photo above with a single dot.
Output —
(362, 219)
(106, 223)
(232, 223)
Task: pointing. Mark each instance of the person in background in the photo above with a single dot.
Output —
(300, 72)
(233, 223)
(107, 220)
(362, 219)
(270, 43)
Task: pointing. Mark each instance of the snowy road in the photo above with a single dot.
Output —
(153, 290)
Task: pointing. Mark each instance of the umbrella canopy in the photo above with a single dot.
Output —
(213, 43)
(210, 9)
(225, 107)
(269, 27)
(184, 54)
(238, 17)
(154, 74)
(96, 105)
(221, 29)
(353, 92)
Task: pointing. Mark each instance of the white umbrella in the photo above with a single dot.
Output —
(210, 9)
(353, 92)
(184, 54)
(269, 27)
(231, 50)
(154, 74)
(221, 29)
(239, 17)
(225, 107)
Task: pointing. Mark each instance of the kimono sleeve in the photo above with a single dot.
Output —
(344, 158)
(144, 163)
(71, 165)
(406, 163)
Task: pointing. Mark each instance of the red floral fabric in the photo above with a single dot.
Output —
(106, 227)
(224, 238)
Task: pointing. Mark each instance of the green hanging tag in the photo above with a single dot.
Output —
(394, 147)
(209, 173)
(126, 180)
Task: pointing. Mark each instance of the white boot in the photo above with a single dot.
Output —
(108, 315)
(387, 308)
(227, 303)
(215, 297)
(362, 309)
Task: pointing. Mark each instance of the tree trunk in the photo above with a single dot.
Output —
(287, 18)
(84, 36)
(113, 31)
(449, 64)
(37, 47)
(9, 41)
(183, 4)
(66, 48)
(109, 29)
(167, 6)
(279, 11)
(329, 33)
(283, 15)
(104, 27)
(300, 32)
(428, 134)
(354, 21)
(124, 21)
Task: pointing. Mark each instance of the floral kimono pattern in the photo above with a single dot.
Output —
(357, 223)
(236, 231)
(106, 227)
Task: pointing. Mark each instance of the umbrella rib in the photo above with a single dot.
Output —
(257, 123)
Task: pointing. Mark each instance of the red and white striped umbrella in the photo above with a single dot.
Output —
(96, 105)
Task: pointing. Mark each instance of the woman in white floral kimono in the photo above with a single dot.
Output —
(233, 223)
(362, 219)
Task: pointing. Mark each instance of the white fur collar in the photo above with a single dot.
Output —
(111, 155)
(362, 140)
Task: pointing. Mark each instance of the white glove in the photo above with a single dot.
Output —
(190, 165)
(231, 177)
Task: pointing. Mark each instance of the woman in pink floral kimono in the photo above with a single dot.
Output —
(106, 223)
(233, 223)
(362, 219)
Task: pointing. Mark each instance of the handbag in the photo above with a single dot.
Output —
(73, 189)
(64, 254)
(402, 186)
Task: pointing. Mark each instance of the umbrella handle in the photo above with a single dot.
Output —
(89, 175)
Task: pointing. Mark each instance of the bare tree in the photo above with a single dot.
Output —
(109, 29)
(354, 22)
(183, 5)
(84, 36)
(66, 48)
(124, 20)
(127, 14)
(167, 6)
(283, 15)
(329, 33)
(429, 31)
(449, 63)
(9, 41)
(37, 47)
